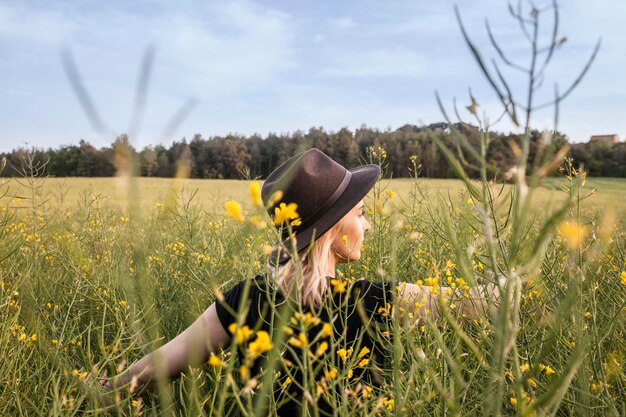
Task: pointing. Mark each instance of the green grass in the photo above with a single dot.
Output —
(97, 272)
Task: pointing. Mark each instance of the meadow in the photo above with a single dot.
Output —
(94, 273)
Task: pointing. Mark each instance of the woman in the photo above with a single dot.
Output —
(317, 205)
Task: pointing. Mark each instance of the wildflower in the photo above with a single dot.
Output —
(385, 311)
(286, 383)
(332, 374)
(532, 382)
(389, 403)
(364, 362)
(573, 233)
(241, 333)
(524, 368)
(344, 239)
(261, 344)
(327, 331)
(594, 388)
(284, 213)
(300, 342)
(622, 278)
(276, 197)
(321, 348)
(234, 210)
(33, 337)
(363, 352)
(255, 194)
(296, 222)
(391, 194)
(513, 401)
(338, 285)
(549, 371)
(470, 201)
(343, 354)
(216, 362)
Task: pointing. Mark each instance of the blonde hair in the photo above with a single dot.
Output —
(307, 274)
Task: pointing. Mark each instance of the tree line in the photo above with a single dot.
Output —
(239, 156)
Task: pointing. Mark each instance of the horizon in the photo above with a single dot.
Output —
(268, 67)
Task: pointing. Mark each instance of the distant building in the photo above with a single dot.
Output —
(605, 138)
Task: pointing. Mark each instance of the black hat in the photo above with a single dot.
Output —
(324, 191)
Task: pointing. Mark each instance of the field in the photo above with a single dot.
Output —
(94, 273)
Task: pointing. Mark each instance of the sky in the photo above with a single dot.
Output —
(258, 66)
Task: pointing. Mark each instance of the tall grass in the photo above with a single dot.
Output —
(93, 286)
(96, 286)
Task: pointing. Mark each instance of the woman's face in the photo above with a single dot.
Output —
(347, 244)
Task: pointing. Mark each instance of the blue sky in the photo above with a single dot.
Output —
(270, 66)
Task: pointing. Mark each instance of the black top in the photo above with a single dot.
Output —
(356, 316)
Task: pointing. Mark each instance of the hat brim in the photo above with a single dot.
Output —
(362, 180)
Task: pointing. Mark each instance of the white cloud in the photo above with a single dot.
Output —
(397, 61)
(346, 22)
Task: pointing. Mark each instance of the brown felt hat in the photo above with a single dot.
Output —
(324, 191)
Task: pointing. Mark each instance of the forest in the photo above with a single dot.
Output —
(247, 157)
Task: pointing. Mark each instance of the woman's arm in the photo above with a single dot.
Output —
(475, 302)
(191, 347)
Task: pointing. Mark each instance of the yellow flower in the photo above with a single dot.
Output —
(276, 197)
(391, 194)
(343, 354)
(532, 382)
(300, 342)
(33, 337)
(234, 210)
(332, 374)
(573, 233)
(243, 371)
(364, 362)
(296, 222)
(389, 403)
(549, 371)
(622, 277)
(286, 383)
(327, 331)
(524, 368)
(344, 239)
(513, 401)
(241, 334)
(261, 344)
(216, 362)
(470, 201)
(363, 352)
(338, 286)
(255, 194)
(594, 388)
(321, 348)
(285, 212)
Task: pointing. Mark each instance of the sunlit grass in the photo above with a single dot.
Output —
(104, 274)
